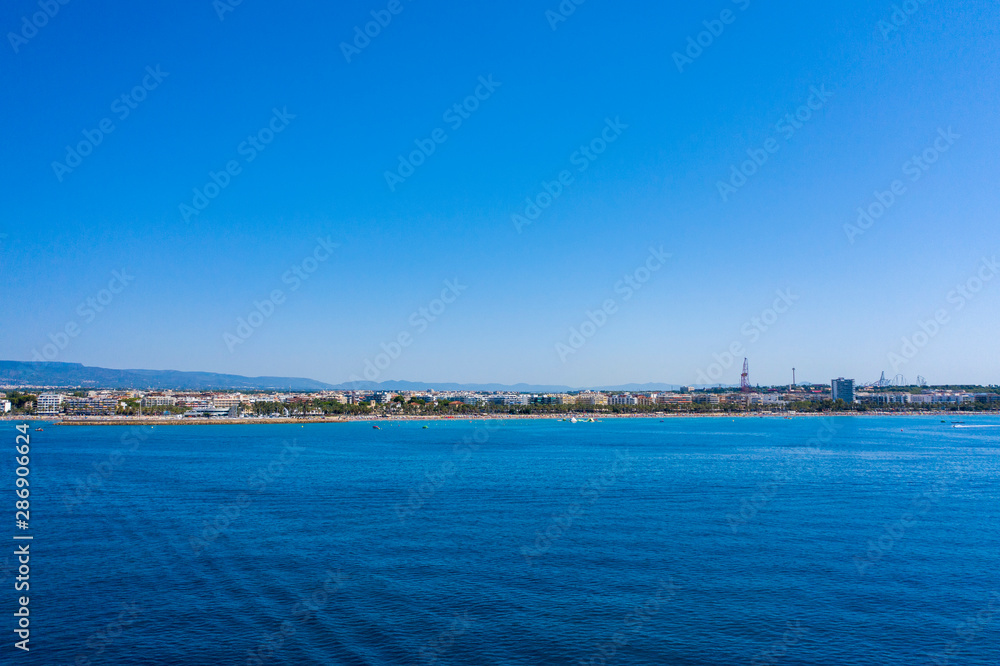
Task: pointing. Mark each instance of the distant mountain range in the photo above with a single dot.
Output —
(77, 375)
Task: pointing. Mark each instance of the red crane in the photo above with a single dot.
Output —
(745, 377)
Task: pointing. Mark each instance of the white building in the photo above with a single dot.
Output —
(625, 399)
(159, 401)
(50, 403)
(5, 406)
(508, 399)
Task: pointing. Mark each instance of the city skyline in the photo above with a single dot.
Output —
(630, 195)
(15, 374)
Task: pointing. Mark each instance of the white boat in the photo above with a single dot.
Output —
(573, 420)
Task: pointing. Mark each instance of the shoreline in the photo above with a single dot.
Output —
(150, 421)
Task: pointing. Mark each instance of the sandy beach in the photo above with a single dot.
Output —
(148, 421)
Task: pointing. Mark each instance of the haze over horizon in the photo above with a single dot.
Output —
(119, 257)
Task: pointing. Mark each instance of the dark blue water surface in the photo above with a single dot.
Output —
(632, 541)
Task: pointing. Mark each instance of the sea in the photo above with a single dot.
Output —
(689, 541)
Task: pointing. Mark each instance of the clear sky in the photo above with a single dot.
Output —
(663, 121)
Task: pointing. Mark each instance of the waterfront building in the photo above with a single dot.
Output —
(227, 400)
(623, 399)
(842, 389)
(92, 406)
(159, 401)
(5, 406)
(674, 399)
(50, 404)
(591, 399)
(214, 412)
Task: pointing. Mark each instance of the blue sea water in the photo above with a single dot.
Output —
(626, 541)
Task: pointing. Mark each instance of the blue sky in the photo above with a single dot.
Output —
(524, 289)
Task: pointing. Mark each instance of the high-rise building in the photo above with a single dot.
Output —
(843, 389)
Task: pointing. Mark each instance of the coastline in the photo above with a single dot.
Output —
(150, 421)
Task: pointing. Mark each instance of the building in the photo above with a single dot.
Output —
(159, 401)
(226, 400)
(50, 403)
(842, 389)
(5, 406)
(624, 399)
(591, 399)
(674, 399)
(92, 406)
(383, 397)
(706, 398)
(214, 412)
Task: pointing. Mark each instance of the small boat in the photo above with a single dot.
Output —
(425, 427)
(39, 430)
(573, 420)
(590, 420)
(376, 428)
